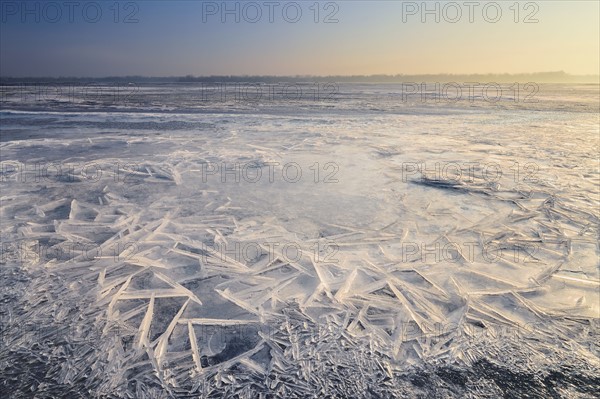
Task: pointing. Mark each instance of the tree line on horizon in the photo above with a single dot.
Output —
(539, 77)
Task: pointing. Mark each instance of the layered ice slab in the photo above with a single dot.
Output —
(359, 246)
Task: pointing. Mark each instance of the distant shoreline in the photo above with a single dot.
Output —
(540, 77)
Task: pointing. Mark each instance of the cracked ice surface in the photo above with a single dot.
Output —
(134, 264)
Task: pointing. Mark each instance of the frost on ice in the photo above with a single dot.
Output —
(137, 263)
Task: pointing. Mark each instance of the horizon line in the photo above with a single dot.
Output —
(313, 75)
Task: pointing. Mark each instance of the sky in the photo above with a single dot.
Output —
(175, 38)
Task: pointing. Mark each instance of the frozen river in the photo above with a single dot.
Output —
(344, 240)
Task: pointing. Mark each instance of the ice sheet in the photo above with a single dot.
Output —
(310, 248)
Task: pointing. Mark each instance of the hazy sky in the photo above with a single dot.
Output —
(370, 37)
